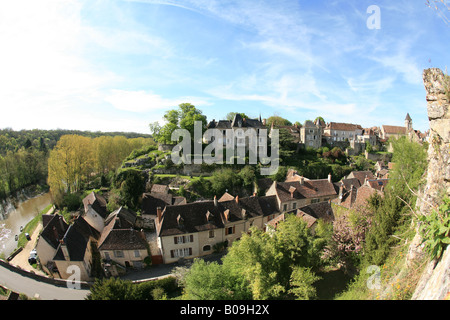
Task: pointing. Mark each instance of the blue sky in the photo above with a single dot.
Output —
(119, 65)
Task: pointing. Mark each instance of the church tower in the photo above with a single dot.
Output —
(408, 123)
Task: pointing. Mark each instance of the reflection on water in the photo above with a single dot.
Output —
(11, 226)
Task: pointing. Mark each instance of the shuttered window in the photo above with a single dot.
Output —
(179, 253)
(183, 239)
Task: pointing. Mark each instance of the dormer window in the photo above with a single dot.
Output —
(180, 220)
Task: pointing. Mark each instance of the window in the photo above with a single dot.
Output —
(183, 239)
(137, 254)
(118, 253)
(107, 256)
(211, 233)
(207, 248)
(285, 207)
(294, 205)
(179, 253)
(230, 230)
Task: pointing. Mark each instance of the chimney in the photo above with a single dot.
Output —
(302, 180)
(264, 121)
(55, 233)
(237, 199)
(341, 192)
(159, 214)
(64, 250)
(61, 222)
(215, 201)
(292, 190)
(329, 178)
(142, 235)
(227, 214)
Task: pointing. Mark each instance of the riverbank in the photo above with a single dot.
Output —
(12, 202)
(13, 226)
(33, 229)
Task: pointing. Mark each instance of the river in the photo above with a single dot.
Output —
(24, 213)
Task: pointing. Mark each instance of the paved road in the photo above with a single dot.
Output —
(31, 287)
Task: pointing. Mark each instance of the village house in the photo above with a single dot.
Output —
(75, 250)
(54, 229)
(95, 210)
(361, 176)
(159, 197)
(61, 246)
(355, 198)
(194, 229)
(298, 191)
(339, 132)
(121, 246)
(311, 214)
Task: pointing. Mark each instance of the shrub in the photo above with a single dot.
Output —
(435, 230)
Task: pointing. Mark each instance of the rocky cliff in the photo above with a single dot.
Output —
(434, 283)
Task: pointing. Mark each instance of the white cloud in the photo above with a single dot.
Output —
(143, 101)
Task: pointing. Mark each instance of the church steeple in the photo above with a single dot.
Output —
(408, 122)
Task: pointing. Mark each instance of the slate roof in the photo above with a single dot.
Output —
(114, 237)
(361, 176)
(354, 198)
(310, 214)
(237, 122)
(309, 189)
(160, 188)
(209, 215)
(97, 202)
(126, 216)
(151, 201)
(54, 230)
(76, 239)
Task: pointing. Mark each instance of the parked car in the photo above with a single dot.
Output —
(33, 256)
(27, 236)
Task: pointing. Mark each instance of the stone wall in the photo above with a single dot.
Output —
(435, 280)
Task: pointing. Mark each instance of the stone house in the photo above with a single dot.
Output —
(75, 250)
(54, 229)
(154, 200)
(354, 198)
(121, 246)
(193, 229)
(361, 176)
(294, 194)
(62, 247)
(310, 214)
(311, 135)
(95, 211)
(339, 132)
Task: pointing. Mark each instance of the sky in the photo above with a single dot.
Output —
(120, 65)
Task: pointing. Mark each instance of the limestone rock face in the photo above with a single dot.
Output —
(435, 281)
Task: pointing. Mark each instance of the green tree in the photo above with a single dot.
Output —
(225, 179)
(302, 280)
(277, 121)
(212, 281)
(112, 289)
(230, 115)
(391, 212)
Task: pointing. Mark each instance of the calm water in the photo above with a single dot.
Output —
(18, 218)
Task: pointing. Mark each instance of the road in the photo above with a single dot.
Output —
(31, 287)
